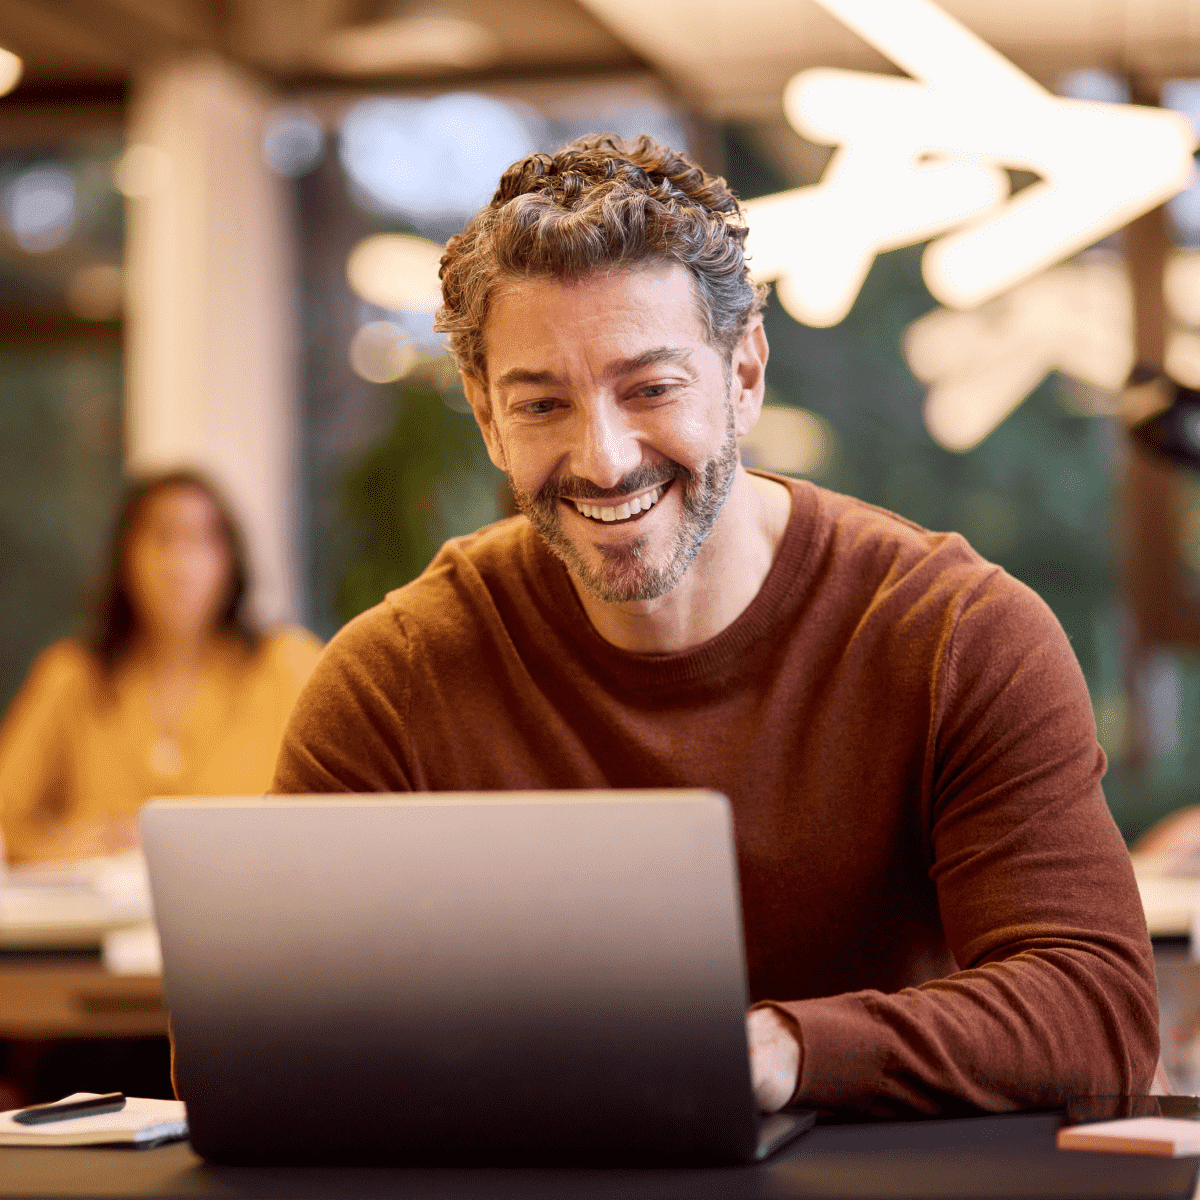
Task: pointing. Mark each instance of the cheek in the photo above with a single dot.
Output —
(143, 571)
(212, 573)
(529, 461)
(690, 441)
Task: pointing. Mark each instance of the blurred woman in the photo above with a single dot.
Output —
(176, 692)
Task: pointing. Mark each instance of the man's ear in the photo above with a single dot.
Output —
(748, 376)
(477, 397)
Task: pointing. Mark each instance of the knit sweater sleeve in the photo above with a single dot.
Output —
(1055, 992)
(348, 730)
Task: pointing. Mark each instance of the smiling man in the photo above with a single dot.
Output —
(939, 911)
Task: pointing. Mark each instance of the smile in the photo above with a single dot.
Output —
(624, 511)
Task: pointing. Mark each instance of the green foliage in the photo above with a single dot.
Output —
(426, 480)
(60, 476)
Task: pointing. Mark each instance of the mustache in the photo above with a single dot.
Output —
(575, 487)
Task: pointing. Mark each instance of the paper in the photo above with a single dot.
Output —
(141, 1122)
(70, 903)
(133, 951)
(1166, 1137)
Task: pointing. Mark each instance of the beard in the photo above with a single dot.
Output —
(624, 575)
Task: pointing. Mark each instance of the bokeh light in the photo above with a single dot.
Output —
(11, 69)
(40, 208)
(792, 441)
(293, 141)
(382, 352)
(434, 163)
(397, 272)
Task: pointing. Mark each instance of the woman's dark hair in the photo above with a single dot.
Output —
(116, 623)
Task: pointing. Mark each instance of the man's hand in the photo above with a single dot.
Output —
(774, 1059)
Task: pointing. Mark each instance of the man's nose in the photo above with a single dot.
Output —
(608, 447)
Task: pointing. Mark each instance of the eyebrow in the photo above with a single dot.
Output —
(659, 356)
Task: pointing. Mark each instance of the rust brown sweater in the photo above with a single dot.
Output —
(932, 886)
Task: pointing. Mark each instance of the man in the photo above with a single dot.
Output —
(939, 911)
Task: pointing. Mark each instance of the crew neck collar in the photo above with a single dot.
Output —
(721, 655)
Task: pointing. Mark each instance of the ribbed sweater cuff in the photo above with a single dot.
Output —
(840, 1054)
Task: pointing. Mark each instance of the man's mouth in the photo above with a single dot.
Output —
(627, 510)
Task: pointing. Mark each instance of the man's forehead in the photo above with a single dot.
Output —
(611, 370)
(623, 313)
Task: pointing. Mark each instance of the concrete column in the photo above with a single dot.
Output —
(211, 312)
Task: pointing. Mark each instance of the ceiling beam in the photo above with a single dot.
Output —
(129, 32)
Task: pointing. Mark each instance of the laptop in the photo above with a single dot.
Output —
(535, 978)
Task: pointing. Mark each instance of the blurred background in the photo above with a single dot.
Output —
(218, 235)
(220, 222)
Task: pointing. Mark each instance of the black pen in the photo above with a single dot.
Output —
(62, 1110)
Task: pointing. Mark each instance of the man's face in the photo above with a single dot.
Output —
(611, 414)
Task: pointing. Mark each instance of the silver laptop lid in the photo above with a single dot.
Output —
(456, 977)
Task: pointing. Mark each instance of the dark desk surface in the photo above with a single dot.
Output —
(993, 1157)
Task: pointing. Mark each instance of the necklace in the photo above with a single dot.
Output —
(165, 756)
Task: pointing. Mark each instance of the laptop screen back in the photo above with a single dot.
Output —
(541, 977)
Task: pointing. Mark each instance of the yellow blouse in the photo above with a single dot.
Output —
(75, 747)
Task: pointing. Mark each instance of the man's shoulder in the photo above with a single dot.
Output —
(895, 564)
(470, 572)
(453, 600)
(868, 529)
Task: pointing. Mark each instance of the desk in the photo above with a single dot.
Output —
(1009, 1156)
(72, 996)
(67, 1025)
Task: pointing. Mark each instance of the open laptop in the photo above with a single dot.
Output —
(541, 977)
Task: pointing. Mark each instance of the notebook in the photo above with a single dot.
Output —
(141, 1122)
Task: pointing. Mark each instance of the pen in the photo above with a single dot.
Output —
(63, 1110)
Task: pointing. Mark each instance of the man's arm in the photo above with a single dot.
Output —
(347, 730)
(1055, 995)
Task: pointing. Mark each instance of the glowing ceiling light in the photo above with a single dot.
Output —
(11, 68)
(980, 365)
(921, 157)
(1076, 318)
(397, 272)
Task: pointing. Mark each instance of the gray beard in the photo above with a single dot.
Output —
(624, 576)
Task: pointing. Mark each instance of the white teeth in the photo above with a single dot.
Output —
(623, 511)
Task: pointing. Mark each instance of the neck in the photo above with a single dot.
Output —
(168, 651)
(717, 587)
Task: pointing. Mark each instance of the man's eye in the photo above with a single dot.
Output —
(655, 389)
(539, 408)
